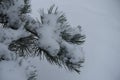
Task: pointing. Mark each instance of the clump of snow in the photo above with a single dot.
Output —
(4, 52)
(73, 52)
(13, 11)
(49, 36)
(7, 35)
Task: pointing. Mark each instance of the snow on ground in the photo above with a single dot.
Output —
(100, 22)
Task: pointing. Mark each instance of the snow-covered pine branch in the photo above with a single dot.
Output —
(50, 36)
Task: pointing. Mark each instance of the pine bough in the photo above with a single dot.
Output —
(22, 36)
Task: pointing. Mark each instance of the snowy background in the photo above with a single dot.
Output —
(100, 21)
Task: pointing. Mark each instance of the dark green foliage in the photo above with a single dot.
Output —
(26, 8)
(32, 75)
(3, 20)
(23, 45)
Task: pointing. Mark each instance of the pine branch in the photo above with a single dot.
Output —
(27, 46)
(26, 8)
